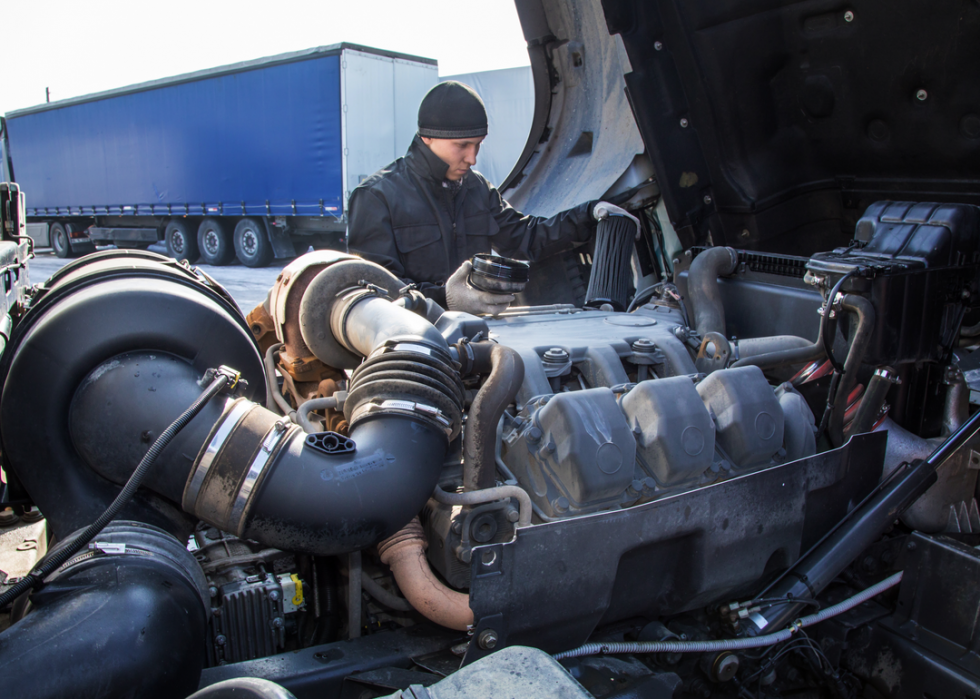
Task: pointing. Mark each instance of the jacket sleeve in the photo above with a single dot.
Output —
(369, 235)
(536, 237)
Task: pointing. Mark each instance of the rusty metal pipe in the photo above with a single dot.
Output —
(404, 553)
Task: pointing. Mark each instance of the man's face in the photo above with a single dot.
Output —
(458, 153)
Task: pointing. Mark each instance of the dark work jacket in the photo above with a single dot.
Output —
(403, 218)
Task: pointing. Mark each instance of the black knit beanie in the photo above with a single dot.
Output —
(452, 110)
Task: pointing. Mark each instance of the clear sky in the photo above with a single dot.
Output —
(75, 47)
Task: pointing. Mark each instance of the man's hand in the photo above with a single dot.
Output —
(460, 296)
(604, 209)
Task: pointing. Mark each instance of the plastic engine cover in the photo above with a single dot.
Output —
(748, 418)
(675, 434)
(586, 452)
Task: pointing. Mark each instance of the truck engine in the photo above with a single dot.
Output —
(355, 490)
(725, 449)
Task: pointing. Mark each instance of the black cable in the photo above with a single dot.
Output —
(826, 333)
(772, 601)
(58, 558)
(643, 295)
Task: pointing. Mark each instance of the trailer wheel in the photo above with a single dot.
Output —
(181, 240)
(59, 240)
(214, 242)
(252, 244)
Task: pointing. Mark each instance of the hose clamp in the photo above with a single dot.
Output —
(229, 421)
(273, 438)
(405, 407)
(888, 374)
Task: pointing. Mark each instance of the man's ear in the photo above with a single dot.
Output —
(426, 140)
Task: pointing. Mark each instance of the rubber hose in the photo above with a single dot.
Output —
(782, 350)
(859, 346)
(506, 370)
(385, 598)
(702, 287)
(871, 402)
(785, 357)
(304, 410)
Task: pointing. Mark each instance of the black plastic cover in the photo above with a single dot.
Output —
(917, 264)
(772, 125)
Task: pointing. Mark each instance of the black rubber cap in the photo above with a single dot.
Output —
(452, 110)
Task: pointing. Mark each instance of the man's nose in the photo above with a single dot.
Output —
(470, 157)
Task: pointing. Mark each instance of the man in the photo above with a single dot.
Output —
(424, 215)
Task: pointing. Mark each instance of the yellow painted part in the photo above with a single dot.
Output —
(298, 597)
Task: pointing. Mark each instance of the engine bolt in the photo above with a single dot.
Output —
(707, 199)
(848, 16)
(644, 346)
(556, 355)
(922, 95)
(274, 595)
(213, 591)
(487, 639)
(684, 122)
(220, 640)
(658, 46)
(277, 623)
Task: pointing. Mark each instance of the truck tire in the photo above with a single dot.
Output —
(59, 240)
(181, 240)
(214, 242)
(252, 244)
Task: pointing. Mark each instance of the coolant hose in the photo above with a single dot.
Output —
(404, 553)
(865, 312)
(783, 350)
(702, 287)
(872, 401)
(506, 369)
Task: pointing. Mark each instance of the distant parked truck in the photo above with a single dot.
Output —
(254, 160)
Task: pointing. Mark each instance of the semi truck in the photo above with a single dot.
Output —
(253, 160)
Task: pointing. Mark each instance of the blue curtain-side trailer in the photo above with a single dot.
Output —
(253, 160)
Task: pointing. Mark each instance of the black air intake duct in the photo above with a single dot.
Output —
(612, 277)
(125, 619)
(237, 465)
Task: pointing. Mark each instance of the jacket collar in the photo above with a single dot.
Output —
(430, 166)
(426, 163)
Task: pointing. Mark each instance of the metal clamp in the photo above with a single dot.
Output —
(228, 423)
(272, 440)
(406, 407)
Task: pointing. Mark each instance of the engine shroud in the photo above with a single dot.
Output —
(555, 583)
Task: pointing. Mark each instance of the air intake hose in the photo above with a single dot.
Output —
(248, 471)
(139, 598)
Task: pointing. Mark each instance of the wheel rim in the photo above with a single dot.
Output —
(211, 242)
(177, 242)
(59, 240)
(250, 243)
